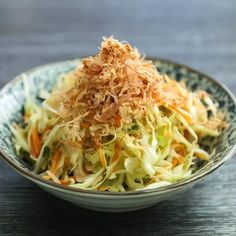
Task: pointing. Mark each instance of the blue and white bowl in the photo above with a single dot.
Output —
(12, 99)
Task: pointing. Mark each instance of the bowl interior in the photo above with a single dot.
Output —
(12, 99)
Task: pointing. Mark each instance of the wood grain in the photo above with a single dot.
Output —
(200, 33)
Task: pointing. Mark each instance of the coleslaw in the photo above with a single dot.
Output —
(116, 124)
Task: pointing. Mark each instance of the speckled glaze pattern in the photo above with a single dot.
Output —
(12, 99)
(198, 81)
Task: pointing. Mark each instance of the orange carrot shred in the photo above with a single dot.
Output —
(55, 161)
(36, 144)
(183, 113)
(100, 153)
(180, 149)
(175, 162)
(65, 182)
(117, 151)
(66, 162)
(85, 124)
(187, 134)
(117, 119)
(102, 157)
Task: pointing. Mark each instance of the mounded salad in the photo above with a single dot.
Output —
(116, 124)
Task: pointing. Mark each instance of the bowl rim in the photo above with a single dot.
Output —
(30, 175)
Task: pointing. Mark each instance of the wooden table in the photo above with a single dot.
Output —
(200, 33)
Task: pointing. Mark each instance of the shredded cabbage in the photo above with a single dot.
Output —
(116, 124)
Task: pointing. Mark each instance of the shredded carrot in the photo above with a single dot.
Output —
(117, 119)
(187, 134)
(66, 163)
(182, 152)
(65, 182)
(117, 152)
(46, 130)
(55, 161)
(183, 113)
(175, 162)
(36, 144)
(177, 145)
(180, 159)
(102, 157)
(85, 124)
(179, 148)
(100, 152)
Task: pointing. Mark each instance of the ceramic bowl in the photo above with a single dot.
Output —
(44, 77)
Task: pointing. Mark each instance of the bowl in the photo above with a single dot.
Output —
(12, 100)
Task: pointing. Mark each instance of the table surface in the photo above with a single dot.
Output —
(200, 33)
